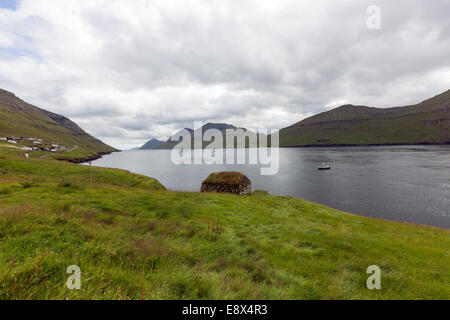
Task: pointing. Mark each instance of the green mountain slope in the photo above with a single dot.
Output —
(20, 119)
(425, 123)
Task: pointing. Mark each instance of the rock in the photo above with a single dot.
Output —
(227, 182)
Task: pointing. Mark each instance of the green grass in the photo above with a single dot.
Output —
(134, 240)
(79, 153)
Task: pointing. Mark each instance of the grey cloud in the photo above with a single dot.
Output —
(149, 68)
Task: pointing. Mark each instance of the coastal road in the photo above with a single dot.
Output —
(47, 155)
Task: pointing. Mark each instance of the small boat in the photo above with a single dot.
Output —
(324, 167)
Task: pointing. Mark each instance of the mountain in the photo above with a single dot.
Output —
(173, 140)
(20, 119)
(425, 123)
(190, 134)
(152, 144)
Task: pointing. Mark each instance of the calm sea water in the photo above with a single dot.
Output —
(401, 183)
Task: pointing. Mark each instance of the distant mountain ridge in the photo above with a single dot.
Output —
(21, 119)
(190, 133)
(152, 144)
(427, 122)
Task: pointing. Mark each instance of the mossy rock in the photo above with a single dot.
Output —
(227, 182)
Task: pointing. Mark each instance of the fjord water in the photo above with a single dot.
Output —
(401, 183)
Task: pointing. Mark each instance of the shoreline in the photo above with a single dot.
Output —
(369, 145)
(336, 206)
(101, 154)
(337, 145)
(87, 159)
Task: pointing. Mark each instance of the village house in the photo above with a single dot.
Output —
(3, 138)
(12, 141)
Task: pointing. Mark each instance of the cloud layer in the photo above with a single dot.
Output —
(127, 71)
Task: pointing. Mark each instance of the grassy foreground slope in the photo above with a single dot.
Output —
(425, 123)
(134, 240)
(20, 119)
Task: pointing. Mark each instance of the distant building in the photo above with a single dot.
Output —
(12, 141)
(3, 139)
(27, 148)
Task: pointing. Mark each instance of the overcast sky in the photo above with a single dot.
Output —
(127, 71)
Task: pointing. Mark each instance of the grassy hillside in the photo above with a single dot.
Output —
(20, 119)
(135, 240)
(426, 122)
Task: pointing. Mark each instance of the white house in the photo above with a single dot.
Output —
(12, 141)
(27, 148)
(3, 139)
